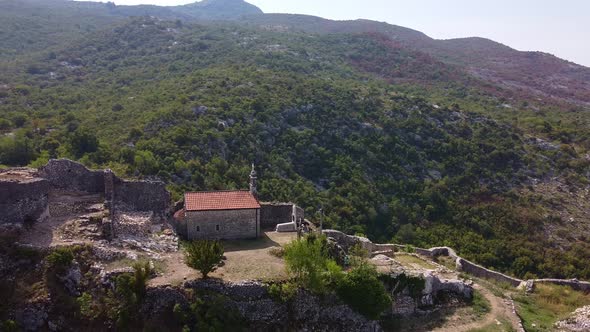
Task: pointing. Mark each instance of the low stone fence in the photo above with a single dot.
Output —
(481, 272)
(583, 286)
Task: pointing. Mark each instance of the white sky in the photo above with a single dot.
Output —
(560, 27)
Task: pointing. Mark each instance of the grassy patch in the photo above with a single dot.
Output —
(547, 305)
(159, 266)
(411, 261)
(500, 325)
(446, 261)
(480, 305)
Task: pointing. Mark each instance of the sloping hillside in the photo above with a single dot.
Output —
(194, 105)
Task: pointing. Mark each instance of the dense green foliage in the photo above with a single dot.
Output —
(311, 267)
(203, 255)
(363, 291)
(194, 105)
(307, 262)
(60, 258)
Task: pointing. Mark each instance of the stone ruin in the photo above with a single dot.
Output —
(437, 283)
(25, 195)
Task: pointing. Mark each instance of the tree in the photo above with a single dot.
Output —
(363, 291)
(83, 142)
(307, 260)
(204, 255)
(17, 150)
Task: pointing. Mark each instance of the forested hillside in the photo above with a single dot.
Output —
(391, 141)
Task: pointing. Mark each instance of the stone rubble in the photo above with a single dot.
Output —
(579, 321)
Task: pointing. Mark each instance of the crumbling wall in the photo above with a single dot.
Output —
(23, 200)
(70, 175)
(132, 195)
(142, 196)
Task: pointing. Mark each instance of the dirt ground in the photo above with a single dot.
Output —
(245, 260)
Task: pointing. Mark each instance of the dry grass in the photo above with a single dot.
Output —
(548, 304)
(245, 260)
(413, 261)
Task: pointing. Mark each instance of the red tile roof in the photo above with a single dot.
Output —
(220, 200)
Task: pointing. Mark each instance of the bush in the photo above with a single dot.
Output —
(60, 258)
(363, 291)
(283, 292)
(130, 290)
(204, 255)
(88, 308)
(307, 262)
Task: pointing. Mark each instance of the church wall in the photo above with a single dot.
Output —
(233, 224)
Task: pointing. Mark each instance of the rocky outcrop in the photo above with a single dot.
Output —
(304, 312)
(579, 321)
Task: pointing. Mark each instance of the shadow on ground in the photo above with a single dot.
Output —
(262, 242)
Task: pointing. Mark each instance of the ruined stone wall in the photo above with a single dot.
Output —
(272, 214)
(23, 201)
(233, 224)
(128, 195)
(482, 272)
(142, 196)
(69, 175)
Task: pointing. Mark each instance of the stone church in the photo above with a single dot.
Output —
(226, 215)
(232, 214)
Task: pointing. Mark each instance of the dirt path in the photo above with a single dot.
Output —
(500, 309)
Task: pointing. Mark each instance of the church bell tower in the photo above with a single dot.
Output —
(253, 179)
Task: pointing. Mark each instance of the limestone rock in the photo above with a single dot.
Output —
(579, 321)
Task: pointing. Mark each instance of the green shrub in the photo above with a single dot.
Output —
(307, 261)
(362, 290)
(88, 308)
(60, 258)
(204, 255)
(480, 304)
(283, 292)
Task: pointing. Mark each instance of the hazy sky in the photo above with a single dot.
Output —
(560, 27)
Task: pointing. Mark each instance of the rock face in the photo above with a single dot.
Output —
(23, 197)
(304, 312)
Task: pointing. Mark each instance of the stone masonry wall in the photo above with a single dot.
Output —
(272, 214)
(142, 195)
(69, 175)
(482, 272)
(233, 224)
(128, 195)
(22, 201)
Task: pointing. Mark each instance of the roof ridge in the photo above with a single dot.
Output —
(216, 191)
